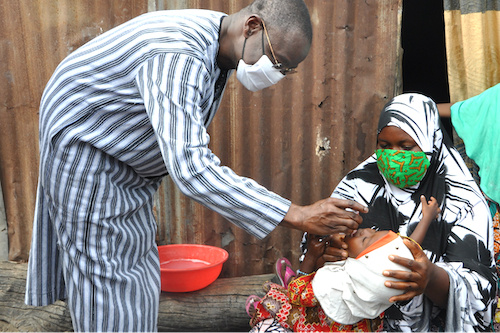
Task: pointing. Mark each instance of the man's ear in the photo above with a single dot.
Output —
(253, 24)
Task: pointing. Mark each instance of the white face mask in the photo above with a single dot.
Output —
(258, 76)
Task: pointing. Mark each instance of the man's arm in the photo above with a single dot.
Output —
(172, 103)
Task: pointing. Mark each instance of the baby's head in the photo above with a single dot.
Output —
(365, 294)
(361, 239)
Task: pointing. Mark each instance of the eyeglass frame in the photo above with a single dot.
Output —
(278, 65)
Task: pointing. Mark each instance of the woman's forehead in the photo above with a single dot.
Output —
(395, 133)
(420, 132)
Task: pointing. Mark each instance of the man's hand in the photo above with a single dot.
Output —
(325, 217)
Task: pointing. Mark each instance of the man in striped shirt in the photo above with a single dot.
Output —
(120, 113)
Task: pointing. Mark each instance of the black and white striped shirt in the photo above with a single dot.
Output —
(119, 113)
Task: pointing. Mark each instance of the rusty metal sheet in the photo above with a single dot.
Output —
(35, 35)
(297, 138)
(300, 137)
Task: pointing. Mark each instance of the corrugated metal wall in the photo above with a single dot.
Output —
(297, 138)
(35, 35)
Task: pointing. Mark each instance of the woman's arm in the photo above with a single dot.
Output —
(467, 267)
(444, 109)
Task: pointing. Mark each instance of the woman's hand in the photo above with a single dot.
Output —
(323, 249)
(413, 282)
(315, 249)
(315, 245)
(335, 248)
(424, 277)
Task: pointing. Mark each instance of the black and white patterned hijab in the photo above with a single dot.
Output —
(447, 178)
(417, 115)
(461, 236)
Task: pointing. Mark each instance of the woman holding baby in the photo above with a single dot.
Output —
(450, 283)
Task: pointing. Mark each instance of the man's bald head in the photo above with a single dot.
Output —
(289, 29)
(287, 18)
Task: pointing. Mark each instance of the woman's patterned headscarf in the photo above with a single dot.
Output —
(416, 115)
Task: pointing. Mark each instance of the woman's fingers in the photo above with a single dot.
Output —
(336, 248)
(410, 288)
(334, 254)
(408, 263)
(414, 281)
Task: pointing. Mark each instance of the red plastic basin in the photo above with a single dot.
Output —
(189, 267)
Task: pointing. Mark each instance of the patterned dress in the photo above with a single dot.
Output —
(296, 309)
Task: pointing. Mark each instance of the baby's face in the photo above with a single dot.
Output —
(361, 239)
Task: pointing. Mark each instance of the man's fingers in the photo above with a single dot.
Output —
(356, 218)
(343, 225)
(353, 205)
(349, 218)
(327, 216)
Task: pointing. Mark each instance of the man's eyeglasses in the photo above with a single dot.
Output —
(278, 65)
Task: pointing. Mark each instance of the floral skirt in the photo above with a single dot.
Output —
(276, 312)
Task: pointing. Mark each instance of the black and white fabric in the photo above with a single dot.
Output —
(460, 240)
(118, 114)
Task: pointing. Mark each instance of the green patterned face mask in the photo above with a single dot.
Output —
(403, 168)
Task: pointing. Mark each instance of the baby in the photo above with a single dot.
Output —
(347, 295)
(358, 290)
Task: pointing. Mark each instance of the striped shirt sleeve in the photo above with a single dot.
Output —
(172, 86)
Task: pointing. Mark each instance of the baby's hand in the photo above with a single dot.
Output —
(315, 245)
(430, 208)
